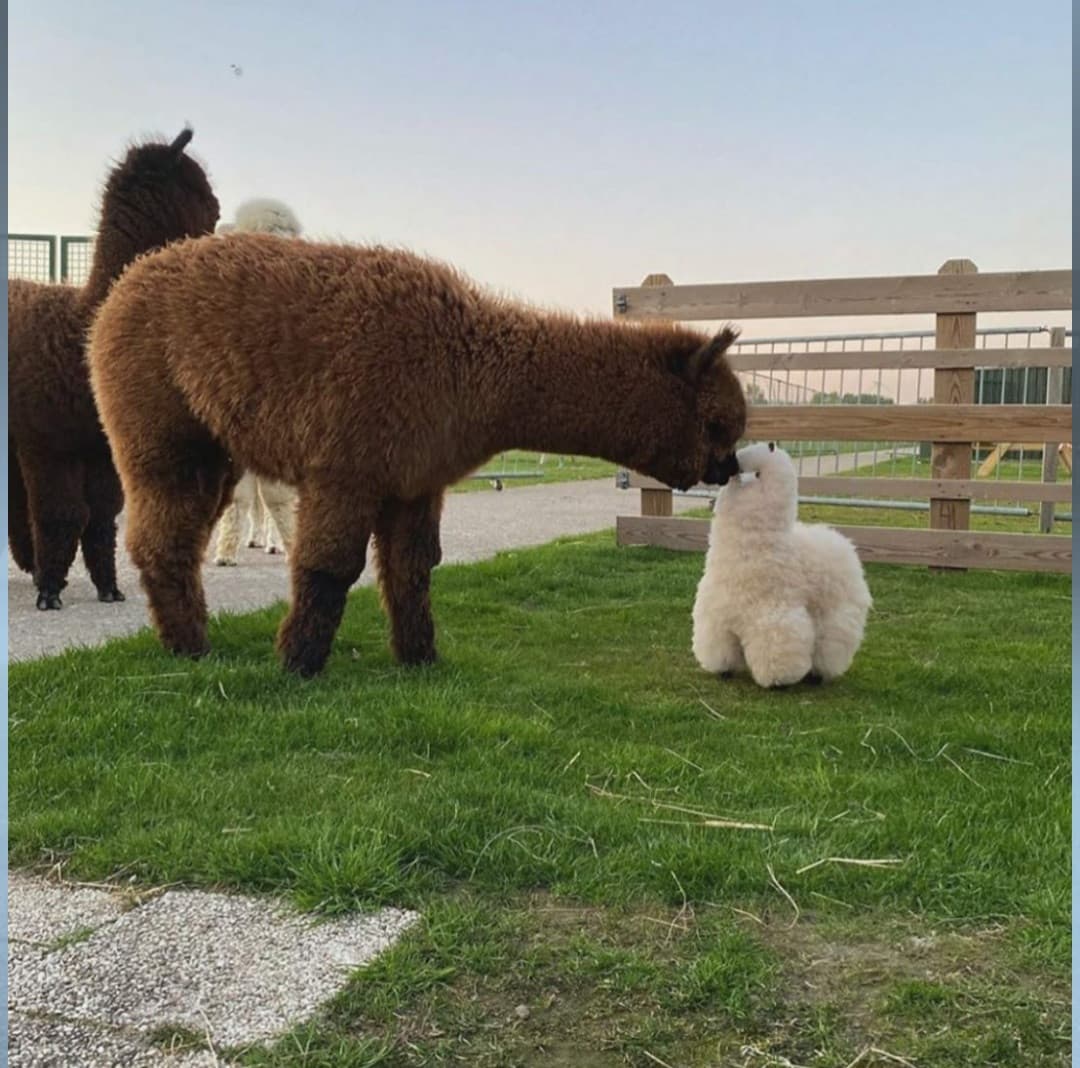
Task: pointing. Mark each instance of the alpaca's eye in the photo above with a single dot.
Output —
(757, 474)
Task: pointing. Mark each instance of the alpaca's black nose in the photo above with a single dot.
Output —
(718, 472)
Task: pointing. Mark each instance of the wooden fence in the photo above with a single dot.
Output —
(953, 423)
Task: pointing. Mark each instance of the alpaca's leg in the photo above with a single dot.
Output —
(407, 543)
(228, 537)
(719, 650)
(271, 537)
(105, 499)
(839, 634)
(279, 502)
(251, 503)
(333, 529)
(778, 649)
(20, 538)
(265, 520)
(55, 492)
(172, 508)
(228, 527)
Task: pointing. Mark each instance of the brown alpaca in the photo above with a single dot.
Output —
(370, 379)
(62, 486)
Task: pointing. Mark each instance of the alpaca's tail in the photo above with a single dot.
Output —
(20, 538)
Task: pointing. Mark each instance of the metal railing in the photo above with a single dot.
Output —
(870, 385)
(48, 258)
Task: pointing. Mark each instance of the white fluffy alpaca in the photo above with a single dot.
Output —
(269, 507)
(784, 599)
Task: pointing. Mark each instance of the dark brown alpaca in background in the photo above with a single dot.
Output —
(62, 486)
(370, 379)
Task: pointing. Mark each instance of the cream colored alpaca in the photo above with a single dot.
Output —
(785, 599)
(269, 507)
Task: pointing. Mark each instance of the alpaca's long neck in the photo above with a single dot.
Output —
(579, 388)
(114, 249)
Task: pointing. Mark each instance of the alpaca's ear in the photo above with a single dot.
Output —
(183, 139)
(703, 361)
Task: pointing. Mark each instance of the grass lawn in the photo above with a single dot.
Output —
(620, 859)
(513, 468)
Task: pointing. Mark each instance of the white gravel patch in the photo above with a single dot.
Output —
(43, 912)
(35, 1042)
(238, 969)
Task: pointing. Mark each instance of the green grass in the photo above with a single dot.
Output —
(511, 465)
(529, 794)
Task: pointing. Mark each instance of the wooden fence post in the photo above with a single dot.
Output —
(953, 385)
(657, 501)
(1055, 380)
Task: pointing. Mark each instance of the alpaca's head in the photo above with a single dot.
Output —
(699, 446)
(764, 494)
(264, 216)
(155, 195)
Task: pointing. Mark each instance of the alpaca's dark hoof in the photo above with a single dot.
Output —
(110, 596)
(272, 550)
(254, 544)
(48, 601)
(813, 679)
(725, 674)
(194, 652)
(304, 663)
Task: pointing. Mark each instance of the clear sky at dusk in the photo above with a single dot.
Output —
(553, 150)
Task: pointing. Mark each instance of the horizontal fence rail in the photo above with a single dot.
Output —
(935, 548)
(999, 402)
(937, 293)
(898, 359)
(911, 422)
(913, 488)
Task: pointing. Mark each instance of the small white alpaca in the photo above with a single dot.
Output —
(268, 506)
(786, 600)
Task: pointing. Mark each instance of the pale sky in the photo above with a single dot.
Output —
(554, 150)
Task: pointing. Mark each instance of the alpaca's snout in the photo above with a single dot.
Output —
(720, 472)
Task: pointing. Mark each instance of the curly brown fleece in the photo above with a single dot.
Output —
(62, 486)
(370, 379)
